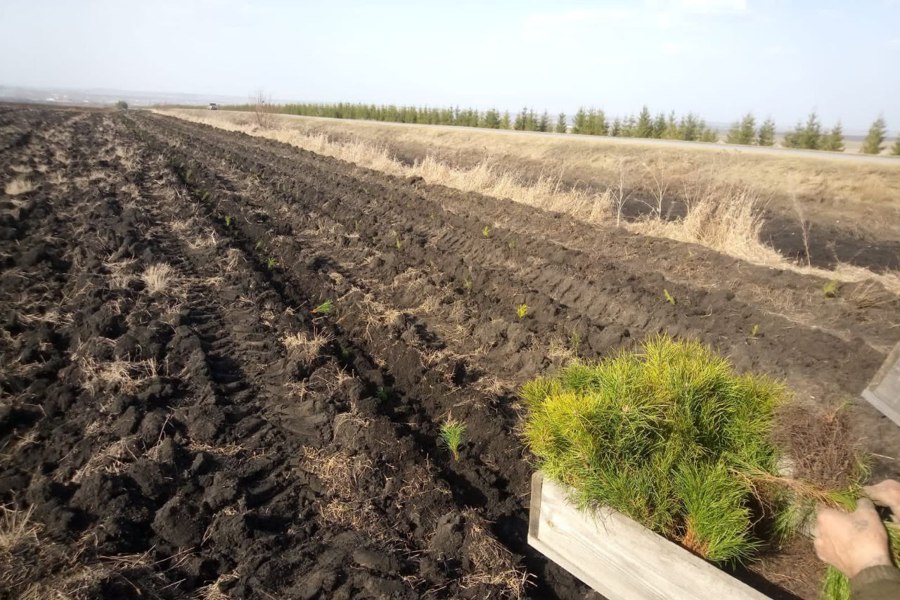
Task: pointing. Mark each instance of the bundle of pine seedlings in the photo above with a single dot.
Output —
(674, 438)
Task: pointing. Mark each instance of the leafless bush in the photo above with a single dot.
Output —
(263, 110)
(659, 185)
(618, 194)
(804, 230)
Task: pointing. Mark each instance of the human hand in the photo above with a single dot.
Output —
(886, 493)
(851, 542)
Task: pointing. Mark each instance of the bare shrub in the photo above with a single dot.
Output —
(263, 110)
(617, 192)
(660, 181)
(805, 226)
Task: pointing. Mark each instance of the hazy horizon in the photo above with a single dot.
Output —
(716, 58)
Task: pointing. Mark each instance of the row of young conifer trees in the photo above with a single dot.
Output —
(593, 121)
(809, 135)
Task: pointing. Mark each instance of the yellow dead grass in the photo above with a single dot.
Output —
(17, 186)
(722, 215)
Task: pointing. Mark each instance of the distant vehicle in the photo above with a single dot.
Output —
(213, 106)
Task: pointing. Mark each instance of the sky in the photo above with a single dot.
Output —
(717, 58)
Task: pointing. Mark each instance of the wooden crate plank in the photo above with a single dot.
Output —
(619, 558)
(884, 391)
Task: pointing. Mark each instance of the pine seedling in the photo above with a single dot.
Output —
(324, 308)
(669, 297)
(486, 232)
(575, 342)
(522, 310)
(228, 221)
(452, 432)
(830, 289)
(754, 332)
(271, 263)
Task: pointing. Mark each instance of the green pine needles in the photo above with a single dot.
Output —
(670, 436)
(452, 433)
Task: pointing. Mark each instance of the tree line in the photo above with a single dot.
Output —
(808, 135)
(593, 121)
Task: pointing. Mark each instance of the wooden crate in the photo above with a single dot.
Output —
(619, 558)
(884, 391)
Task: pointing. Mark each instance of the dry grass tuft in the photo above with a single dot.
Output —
(120, 376)
(346, 506)
(158, 278)
(491, 563)
(727, 220)
(109, 460)
(19, 185)
(16, 528)
(305, 347)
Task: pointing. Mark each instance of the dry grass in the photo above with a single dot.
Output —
(19, 185)
(492, 563)
(117, 376)
(723, 191)
(110, 459)
(305, 347)
(16, 528)
(346, 506)
(158, 278)
(727, 220)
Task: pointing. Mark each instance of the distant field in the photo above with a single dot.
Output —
(832, 182)
(771, 206)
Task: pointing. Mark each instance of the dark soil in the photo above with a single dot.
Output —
(175, 442)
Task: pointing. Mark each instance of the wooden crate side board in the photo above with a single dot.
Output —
(619, 558)
(884, 390)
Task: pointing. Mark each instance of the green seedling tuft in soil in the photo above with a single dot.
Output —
(575, 342)
(324, 308)
(486, 232)
(383, 394)
(670, 436)
(754, 332)
(271, 263)
(228, 221)
(830, 289)
(467, 284)
(522, 310)
(452, 432)
(669, 297)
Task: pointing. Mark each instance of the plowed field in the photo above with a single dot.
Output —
(182, 417)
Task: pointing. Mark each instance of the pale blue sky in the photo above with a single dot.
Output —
(719, 58)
